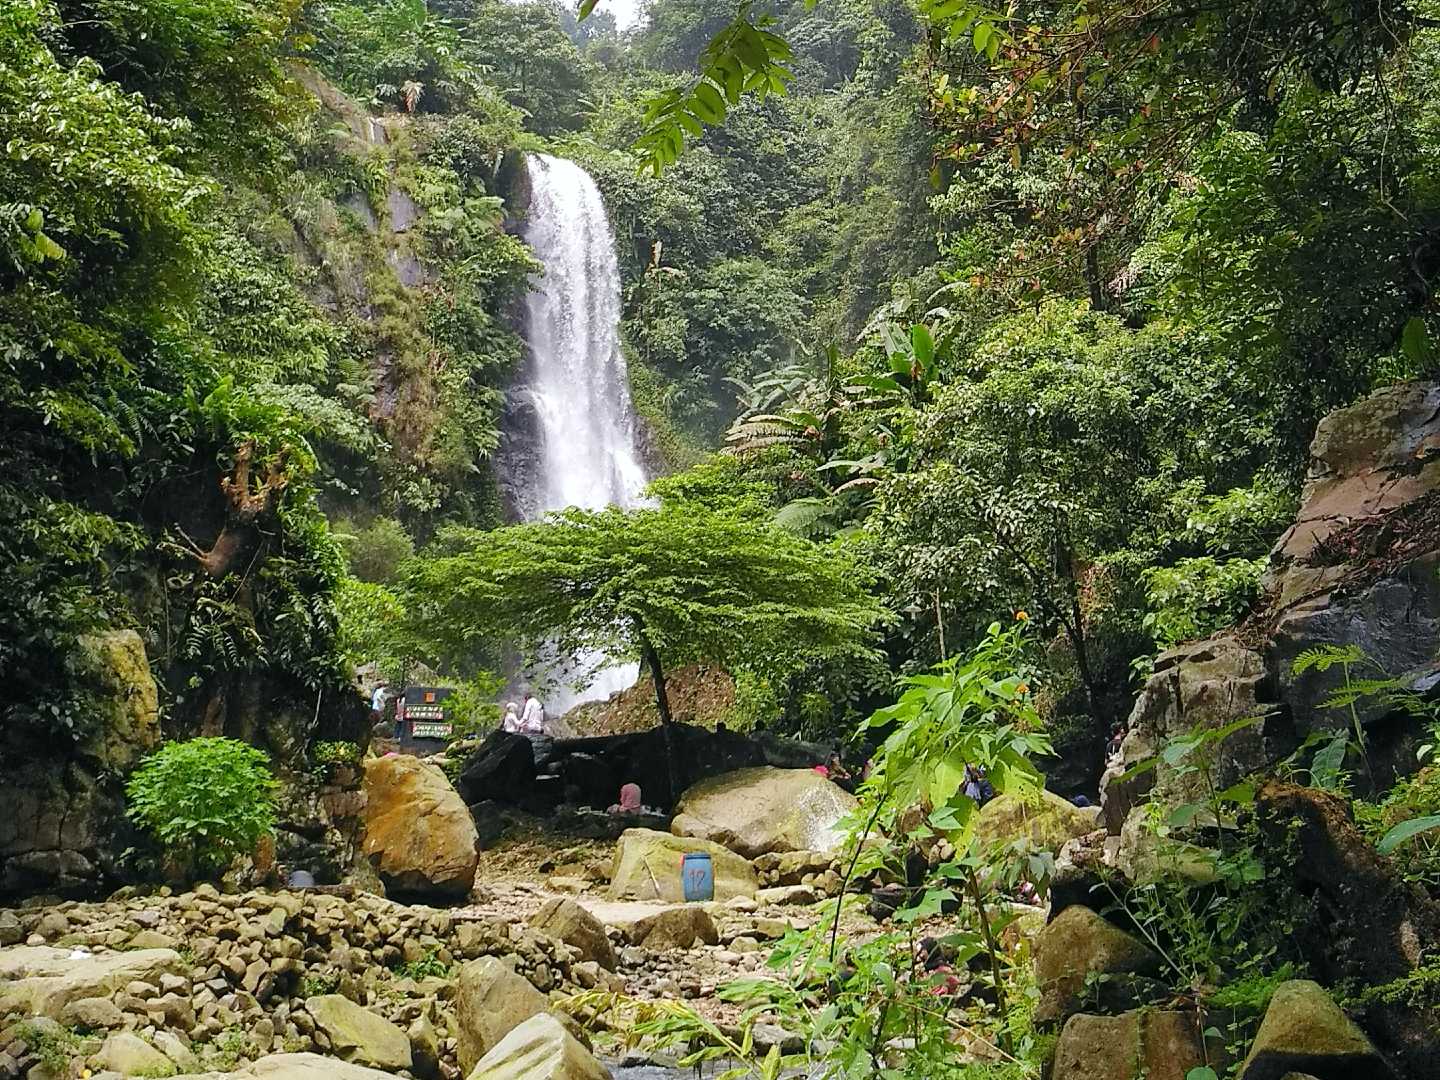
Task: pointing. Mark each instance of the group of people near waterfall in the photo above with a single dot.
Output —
(529, 721)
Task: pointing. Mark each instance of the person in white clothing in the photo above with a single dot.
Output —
(511, 722)
(377, 699)
(532, 720)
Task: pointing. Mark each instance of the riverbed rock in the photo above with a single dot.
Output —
(93, 1014)
(756, 811)
(358, 1035)
(1047, 819)
(1076, 944)
(297, 1067)
(647, 867)
(675, 928)
(129, 1055)
(566, 920)
(418, 832)
(539, 1049)
(1155, 1044)
(490, 1000)
(41, 981)
(1305, 1031)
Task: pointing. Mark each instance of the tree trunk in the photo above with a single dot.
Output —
(657, 676)
(662, 705)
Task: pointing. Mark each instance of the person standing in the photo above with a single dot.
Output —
(377, 700)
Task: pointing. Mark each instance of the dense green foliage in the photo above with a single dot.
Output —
(205, 800)
(667, 586)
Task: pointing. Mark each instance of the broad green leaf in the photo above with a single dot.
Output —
(1405, 830)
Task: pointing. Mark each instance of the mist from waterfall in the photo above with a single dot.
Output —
(577, 383)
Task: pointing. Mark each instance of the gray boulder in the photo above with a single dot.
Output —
(539, 1049)
(759, 810)
(566, 920)
(490, 1001)
(358, 1035)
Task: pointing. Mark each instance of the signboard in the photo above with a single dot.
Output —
(424, 730)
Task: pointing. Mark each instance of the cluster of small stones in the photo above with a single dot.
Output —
(821, 870)
(254, 959)
(698, 972)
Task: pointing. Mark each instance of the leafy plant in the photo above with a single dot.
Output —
(205, 800)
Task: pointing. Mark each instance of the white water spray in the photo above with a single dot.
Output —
(577, 385)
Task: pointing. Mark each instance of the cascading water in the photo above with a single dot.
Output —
(577, 394)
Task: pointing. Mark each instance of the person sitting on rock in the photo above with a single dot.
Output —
(532, 720)
(630, 800)
(511, 722)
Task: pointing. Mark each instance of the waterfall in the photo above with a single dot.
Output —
(576, 397)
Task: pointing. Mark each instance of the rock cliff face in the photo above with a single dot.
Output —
(58, 818)
(1360, 566)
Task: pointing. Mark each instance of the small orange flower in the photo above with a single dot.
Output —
(1021, 616)
(1023, 688)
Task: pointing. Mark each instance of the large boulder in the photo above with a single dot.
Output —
(418, 833)
(1077, 944)
(1047, 819)
(757, 811)
(490, 1001)
(358, 1035)
(1304, 1031)
(501, 770)
(41, 981)
(647, 867)
(539, 1049)
(57, 825)
(566, 920)
(59, 813)
(1150, 1043)
(1379, 455)
(1208, 684)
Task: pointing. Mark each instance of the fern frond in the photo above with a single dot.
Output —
(1324, 657)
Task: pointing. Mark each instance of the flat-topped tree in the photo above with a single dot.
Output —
(667, 586)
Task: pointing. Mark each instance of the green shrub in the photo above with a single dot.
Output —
(375, 551)
(472, 709)
(205, 800)
(336, 753)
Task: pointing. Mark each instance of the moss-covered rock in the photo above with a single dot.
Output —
(647, 867)
(1154, 1044)
(1047, 819)
(1080, 943)
(1305, 1031)
(116, 669)
(358, 1035)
